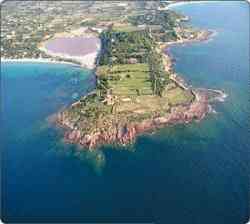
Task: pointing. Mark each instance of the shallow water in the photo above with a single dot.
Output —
(196, 173)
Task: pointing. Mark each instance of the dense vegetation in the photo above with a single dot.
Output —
(162, 22)
(167, 19)
(159, 78)
(132, 84)
(121, 48)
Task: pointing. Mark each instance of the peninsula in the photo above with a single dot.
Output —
(137, 89)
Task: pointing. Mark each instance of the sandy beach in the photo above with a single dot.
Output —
(37, 60)
(86, 60)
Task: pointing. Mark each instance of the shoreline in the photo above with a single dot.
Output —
(174, 4)
(37, 60)
(125, 133)
(87, 61)
(168, 59)
(179, 80)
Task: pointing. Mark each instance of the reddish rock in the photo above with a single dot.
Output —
(125, 133)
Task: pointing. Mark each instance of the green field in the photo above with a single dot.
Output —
(177, 96)
(126, 28)
(131, 85)
(128, 79)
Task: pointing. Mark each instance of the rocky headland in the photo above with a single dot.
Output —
(106, 121)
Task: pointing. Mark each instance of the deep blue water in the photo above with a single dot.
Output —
(196, 173)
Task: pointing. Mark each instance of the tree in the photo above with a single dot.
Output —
(158, 76)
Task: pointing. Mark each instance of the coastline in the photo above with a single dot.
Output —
(87, 61)
(176, 4)
(198, 93)
(172, 173)
(37, 60)
(125, 132)
(168, 59)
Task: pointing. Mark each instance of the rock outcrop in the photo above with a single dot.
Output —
(124, 133)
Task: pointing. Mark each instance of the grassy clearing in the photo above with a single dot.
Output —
(106, 70)
(177, 96)
(127, 80)
(126, 28)
(146, 106)
(131, 84)
(108, 17)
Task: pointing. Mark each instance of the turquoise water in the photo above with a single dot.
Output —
(195, 173)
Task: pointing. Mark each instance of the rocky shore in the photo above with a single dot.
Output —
(125, 133)
(203, 35)
(122, 132)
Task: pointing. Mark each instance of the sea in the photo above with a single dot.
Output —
(194, 173)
